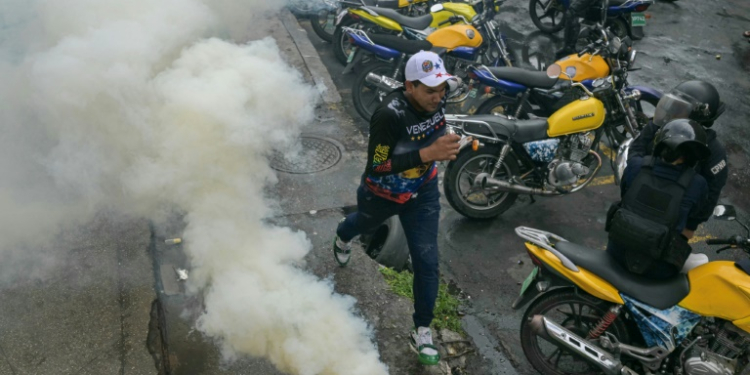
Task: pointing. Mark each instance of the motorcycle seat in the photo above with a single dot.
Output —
(418, 23)
(529, 78)
(521, 131)
(400, 44)
(661, 294)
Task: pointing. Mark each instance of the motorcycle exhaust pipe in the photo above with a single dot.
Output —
(383, 82)
(485, 182)
(556, 334)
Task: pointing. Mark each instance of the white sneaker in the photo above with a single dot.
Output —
(342, 251)
(421, 341)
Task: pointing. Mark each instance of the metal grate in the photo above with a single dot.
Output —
(318, 154)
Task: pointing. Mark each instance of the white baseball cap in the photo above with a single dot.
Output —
(426, 67)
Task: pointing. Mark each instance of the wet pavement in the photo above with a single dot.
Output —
(684, 40)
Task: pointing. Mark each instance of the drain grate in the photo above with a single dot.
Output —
(318, 154)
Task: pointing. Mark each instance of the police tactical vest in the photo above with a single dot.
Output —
(644, 222)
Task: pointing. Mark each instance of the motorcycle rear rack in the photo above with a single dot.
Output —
(546, 240)
(358, 32)
(458, 122)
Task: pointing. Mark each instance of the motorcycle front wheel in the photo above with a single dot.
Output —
(367, 96)
(323, 22)
(547, 15)
(474, 202)
(579, 313)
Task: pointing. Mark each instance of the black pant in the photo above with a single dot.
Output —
(589, 9)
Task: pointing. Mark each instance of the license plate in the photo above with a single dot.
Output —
(340, 16)
(637, 19)
(529, 280)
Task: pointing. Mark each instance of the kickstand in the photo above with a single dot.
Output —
(531, 196)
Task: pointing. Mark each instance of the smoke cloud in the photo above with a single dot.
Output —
(138, 107)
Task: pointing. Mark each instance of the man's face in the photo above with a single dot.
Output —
(426, 98)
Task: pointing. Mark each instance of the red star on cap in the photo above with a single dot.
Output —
(439, 75)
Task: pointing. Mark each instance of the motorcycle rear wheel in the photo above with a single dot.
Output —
(503, 105)
(459, 180)
(341, 44)
(579, 313)
(537, 13)
(366, 96)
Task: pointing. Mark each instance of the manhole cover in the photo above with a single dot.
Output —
(318, 154)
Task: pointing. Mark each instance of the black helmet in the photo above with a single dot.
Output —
(681, 138)
(710, 107)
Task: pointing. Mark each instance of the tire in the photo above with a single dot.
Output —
(504, 105)
(300, 7)
(619, 27)
(643, 118)
(323, 24)
(365, 95)
(560, 306)
(536, 11)
(459, 178)
(387, 245)
(341, 44)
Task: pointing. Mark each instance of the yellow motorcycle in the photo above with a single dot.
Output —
(590, 315)
(378, 20)
(323, 15)
(542, 156)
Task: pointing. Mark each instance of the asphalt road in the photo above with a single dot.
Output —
(684, 40)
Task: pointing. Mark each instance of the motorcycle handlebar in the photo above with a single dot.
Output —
(735, 240)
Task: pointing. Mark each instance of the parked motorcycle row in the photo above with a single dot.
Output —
(543, 133)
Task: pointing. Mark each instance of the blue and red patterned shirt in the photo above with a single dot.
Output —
(397, 131)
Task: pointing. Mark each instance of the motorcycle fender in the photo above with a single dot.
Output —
(554, 282)
(378, 20)
(340, 16)
(583, 279)
(648, 94)
(621, 160)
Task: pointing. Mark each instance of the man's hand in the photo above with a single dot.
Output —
(444, 148)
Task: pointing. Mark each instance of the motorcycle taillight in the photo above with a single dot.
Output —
(534, 259)
(641, 8)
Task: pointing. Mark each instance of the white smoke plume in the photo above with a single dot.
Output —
(133, 106)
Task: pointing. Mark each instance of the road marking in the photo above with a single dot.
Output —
(608, 152)
(605, 180)
(700, 238)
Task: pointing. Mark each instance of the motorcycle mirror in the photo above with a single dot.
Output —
(436, 8)
(554, 71)
(725, 212)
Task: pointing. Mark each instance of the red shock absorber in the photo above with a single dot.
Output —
(604, 322)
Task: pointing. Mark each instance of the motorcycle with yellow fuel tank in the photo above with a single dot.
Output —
(461, 46)
(551, 156)
(522, 93)
(588, 315)
(377, 20)
(323, 13)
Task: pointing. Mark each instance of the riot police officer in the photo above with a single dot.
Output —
(698, 101)
(659, 193)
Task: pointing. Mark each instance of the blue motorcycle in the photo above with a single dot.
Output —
(621, 15)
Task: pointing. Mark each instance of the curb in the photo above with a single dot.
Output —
(318, 71)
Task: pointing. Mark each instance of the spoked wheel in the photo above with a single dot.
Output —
(323, 23)
(342, 46)
(539, 50)
(547, 15)
(577, 312)
(644, 112)
(618, 26)
(470, 200)
(365, 95)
